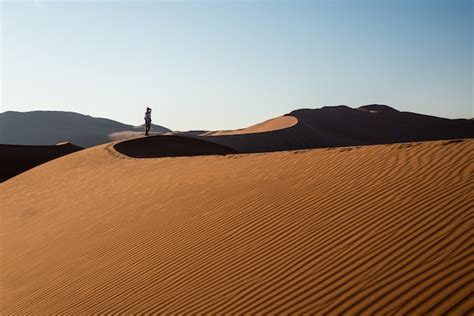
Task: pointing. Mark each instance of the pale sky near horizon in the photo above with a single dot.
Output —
(230, 64)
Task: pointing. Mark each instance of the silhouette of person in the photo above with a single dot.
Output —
(147, 120)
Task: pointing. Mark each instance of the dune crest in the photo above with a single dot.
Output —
(373, 230)
(336, 126)
(278, 123)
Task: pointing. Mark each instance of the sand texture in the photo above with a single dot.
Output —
(374, 230)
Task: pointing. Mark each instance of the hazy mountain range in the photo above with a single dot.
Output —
(335, 126)
(329, 126)
(52, 127)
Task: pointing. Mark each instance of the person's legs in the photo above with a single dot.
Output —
(147, 128)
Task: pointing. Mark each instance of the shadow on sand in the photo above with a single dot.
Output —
(170, 146)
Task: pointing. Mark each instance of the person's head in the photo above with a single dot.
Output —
(148, 109)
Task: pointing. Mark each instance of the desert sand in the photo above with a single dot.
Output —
(270, 125)
(383, 229)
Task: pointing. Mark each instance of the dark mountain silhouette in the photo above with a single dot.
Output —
(310, 128)
(344, 126)
(52, 127)
(15, 159)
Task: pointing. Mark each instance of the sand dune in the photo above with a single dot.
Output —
(274, 124)
(15, 159)
(342, 126)
(376, 230)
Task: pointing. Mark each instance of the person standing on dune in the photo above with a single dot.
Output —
(147, 120)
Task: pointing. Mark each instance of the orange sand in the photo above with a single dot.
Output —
(271, 125)
(383, 229)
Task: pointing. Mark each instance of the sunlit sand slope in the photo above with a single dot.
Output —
(383, 229)
(274, 124)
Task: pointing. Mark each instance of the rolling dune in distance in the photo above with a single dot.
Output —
(335, 126)
(270, 125)
(383, 229)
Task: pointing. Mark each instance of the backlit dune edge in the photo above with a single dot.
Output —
(271, 125)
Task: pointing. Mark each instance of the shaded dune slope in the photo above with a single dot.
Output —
(344, 126)
(127, 135)
(15, 159)
(170, 146)
(375, 230)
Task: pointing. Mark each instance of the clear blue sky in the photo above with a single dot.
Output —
(229, 64)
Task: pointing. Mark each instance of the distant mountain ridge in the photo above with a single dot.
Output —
(52, 127)
(329, 126)
(335, 126)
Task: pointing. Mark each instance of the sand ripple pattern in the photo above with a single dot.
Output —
(375, 230)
